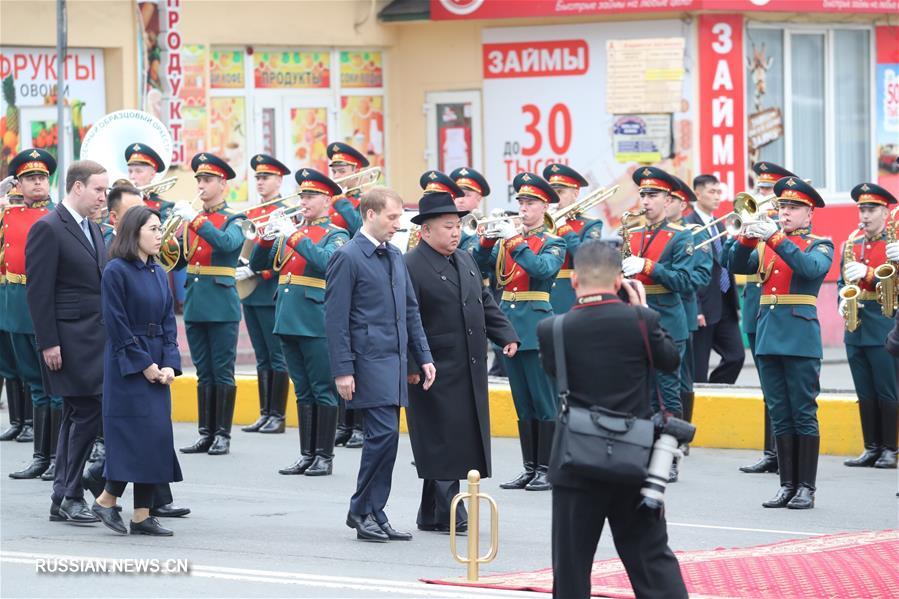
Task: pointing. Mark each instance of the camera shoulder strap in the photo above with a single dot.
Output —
(561, 368)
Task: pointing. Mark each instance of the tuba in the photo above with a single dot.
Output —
(887, 289)
(107, 139)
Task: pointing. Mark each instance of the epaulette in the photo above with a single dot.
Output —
(553, 235)
(692, 226)
(335, 228)
(819, 237)
(676, 227)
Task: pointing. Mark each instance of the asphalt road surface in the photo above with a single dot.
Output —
(255, 533)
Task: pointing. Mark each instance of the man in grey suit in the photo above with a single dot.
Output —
(65, 257)
(372, 321)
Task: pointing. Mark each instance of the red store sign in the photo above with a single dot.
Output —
(721, 118)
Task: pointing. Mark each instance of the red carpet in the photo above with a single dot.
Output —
(844, 566)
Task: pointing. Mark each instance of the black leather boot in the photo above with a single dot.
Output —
(205, 419)
(225, 396)
(768, 462)
(55, 423)
(41, 458)
(888, 428)
(786, 463)
(277, 403)
(26, 435)
(343, 431)
(306, 413)
(325, 429)
(527, 440)
(545, 431)
(14, 395)
(264, 385)
(867, 411)
(807, 451)
(687, 400)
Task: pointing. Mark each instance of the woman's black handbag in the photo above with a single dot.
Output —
(595, 442)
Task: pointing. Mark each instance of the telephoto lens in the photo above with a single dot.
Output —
(664, 451)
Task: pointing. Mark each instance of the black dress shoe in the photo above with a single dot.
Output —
(804, 499)
(151, 527)
(55, 516)
(540, 482)
(220, 446)
(461, 529)
(784, 496)
(393, 534)
(169, 510)
(356, 439)
(110, 518)
(76, 511)
(50, 472)
(765, 465)
(366, 528)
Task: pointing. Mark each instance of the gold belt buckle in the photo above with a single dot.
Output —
(774, 300)
(289, 277)
(513, 297)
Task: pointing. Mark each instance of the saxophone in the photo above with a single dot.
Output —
(629, 220)
(887, 290)
(849, 294)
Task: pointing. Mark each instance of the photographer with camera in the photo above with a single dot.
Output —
(610, 348)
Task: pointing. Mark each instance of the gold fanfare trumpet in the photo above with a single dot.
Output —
(886, 275)
(491, 230)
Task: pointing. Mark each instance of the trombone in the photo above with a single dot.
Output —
(372, 174)
(158, 187)
(578, 208)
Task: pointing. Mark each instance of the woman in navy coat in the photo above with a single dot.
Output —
(141, 361)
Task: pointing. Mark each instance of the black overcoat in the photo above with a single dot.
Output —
(449, 425)
(64, 301)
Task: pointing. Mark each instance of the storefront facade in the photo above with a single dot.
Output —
(691, 85)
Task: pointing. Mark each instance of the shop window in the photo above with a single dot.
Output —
(809, 102)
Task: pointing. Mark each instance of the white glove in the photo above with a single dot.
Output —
(505, 229)
(185, 211)
(762, 230)
(854, 271)
(243, 273)
(841, 308)
(893, 251)
(7, 184)
(632, 265)
(283, 227)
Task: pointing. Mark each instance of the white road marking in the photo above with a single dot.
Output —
(779, 532)
(401, 587)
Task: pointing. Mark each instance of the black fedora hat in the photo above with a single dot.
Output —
(434, 204)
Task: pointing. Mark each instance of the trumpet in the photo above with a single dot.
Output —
(372, 174)
(473, 221)
(491, 230)
(746, 212)
(578, 208)
(257, 227)
(174, 222)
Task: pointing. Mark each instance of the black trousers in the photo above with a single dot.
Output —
(641, 539)
(725, 338)
(77, 432)
(162, 495)
(143, 492)
(436, 497)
